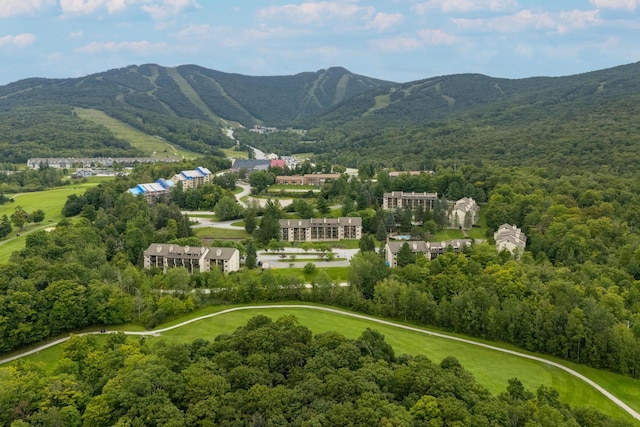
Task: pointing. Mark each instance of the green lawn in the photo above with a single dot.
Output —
(50, 201)
(231, 153)
(152, 145)
(447, 234)
(220, 233)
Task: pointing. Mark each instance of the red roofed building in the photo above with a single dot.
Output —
(278, 163)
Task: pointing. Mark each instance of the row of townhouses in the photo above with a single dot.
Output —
(194, 259)
(511, 238)
(320, 229)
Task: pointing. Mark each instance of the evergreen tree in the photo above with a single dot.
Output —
(322, 205)
(367, 244)
(252, 256)
(381, 232)
(405, 255)
(250, 222)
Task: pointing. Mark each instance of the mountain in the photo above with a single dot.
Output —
(589, 119)
(194, 92)
(185, 105)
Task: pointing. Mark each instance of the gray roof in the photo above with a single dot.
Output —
(183, 252)
(251, 164)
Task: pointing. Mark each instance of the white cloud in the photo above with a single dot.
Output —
(316, 13)
(396, 44)
(616, 4)
(76, 34)
(436, 37)
(17, 7)
(525, 20)
(168, 8)
(454, 6)
(136, 47)
(158, 9)
(385, 21)
(21, 40)
(194, 32)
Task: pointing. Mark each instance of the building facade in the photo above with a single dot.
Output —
(317, 179)
(320, 229)
(413, 200)
(201, 259)
(430, 250)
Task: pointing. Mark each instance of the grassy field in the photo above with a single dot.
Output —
(220, 233)
(491, 368)
(153, 146)
(231, 153)
(50, 201)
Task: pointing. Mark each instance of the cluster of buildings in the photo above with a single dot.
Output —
(160, 191)
(194, 259)
(317, 179)
(87, 162)
(430, 250)
(320, 229)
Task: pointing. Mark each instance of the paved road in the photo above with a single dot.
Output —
(157, 332)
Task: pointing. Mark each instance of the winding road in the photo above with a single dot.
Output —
(158, 332)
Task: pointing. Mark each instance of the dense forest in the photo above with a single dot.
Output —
(267, 373)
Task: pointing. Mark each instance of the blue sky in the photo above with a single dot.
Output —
(398, 40)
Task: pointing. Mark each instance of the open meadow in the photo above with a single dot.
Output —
(50, 201)
(491, 368)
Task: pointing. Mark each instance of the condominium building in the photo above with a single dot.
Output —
(193, 178)
(154, 192)
(317, 179)
(464, 213)
(511, 238)
(202, 259)
(320, 229)
(430, 250)
(413, 200)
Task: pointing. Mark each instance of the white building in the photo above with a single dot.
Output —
(511, 238)
(464, 213)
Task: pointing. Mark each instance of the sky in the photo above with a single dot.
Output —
(396, 40)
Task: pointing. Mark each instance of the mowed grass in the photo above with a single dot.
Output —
(220, 233)
(491, 368)
(50, 201)
(152, 145)
(233, 154)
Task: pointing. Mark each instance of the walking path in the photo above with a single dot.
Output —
(157, 332)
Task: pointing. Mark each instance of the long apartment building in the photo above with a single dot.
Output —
(402, 200)
(202, 259)
(317, 179)
(320, 229)
(430, 250)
